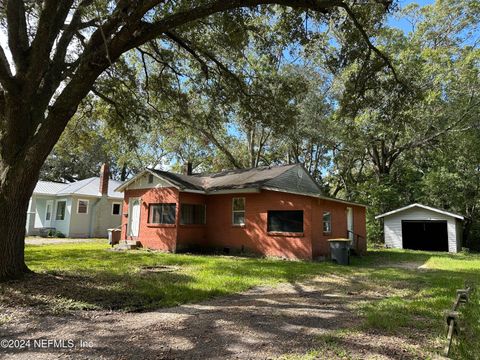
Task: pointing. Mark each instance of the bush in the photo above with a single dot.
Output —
(59, 234)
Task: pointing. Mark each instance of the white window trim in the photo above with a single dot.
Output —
(115, 203)
(239, 211)
(64, 211)
(329, 222)
(52, 203)
(78, 205)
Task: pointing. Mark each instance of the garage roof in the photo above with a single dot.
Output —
(423, 207)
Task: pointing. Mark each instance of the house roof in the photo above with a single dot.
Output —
(226, 180)
(87, 187)
(440, 211)
(287, 178)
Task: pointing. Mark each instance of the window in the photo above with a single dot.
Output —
(327, 222)
(61, 205)
(82, 207)
(192, 214)
(161, 213)
(150, 178)
(116, 208)
(48, 212)
(238, 211)
(285, 221)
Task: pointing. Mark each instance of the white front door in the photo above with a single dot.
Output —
(134, 217)
(48, 213)
(350, 222)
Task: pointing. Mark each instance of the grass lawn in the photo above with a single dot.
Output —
(85, 276)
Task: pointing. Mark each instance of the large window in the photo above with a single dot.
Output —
(327, 222)
(61, 205)
(161, 213)
(192, 214)
(82, 207)
(285, 221)
(238, 211)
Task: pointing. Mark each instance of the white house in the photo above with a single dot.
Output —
(420, 227)
(85, 208)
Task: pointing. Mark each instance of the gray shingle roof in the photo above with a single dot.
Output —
(226, 180)
(87, 187)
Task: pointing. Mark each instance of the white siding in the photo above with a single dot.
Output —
(142, 183)
(393, 227)
(459, 229)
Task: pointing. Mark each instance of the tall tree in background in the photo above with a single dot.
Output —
(60, 48)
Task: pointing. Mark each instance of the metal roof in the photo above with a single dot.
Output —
(440, 211)
(87, 187)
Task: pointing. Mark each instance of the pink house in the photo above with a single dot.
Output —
(273, 211)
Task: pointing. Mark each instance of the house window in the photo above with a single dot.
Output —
(61, 206)
(327, 222)
(161, 213)
(192, 214)
(116, 208)
(82, 207)
(150, 178)
(285, 221)
(238, 211)
(48, 212)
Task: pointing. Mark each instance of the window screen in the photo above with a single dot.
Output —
(192, 214)
(116, 209)
(285, 221)
(238, 211)
(327, 222)
(162, 214)
(61, 205)
(82, 207)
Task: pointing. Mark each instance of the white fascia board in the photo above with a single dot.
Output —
(460, 217)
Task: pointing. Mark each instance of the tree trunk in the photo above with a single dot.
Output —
(16, 187)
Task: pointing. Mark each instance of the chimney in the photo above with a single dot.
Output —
(188, 168)
(104, 175)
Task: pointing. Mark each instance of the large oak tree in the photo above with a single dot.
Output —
(57, 49)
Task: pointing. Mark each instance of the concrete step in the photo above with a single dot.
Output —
(128, 242)
(125, 246)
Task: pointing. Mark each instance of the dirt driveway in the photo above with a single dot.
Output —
(310, 319)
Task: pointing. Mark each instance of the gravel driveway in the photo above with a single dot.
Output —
(262, 323)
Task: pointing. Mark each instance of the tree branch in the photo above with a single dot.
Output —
(366, 38)
(17, 33)
(6, 79)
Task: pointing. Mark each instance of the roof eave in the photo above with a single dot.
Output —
(460, 217)
(318, 196)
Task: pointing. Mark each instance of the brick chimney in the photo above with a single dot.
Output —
(188, 168)
(104, 175)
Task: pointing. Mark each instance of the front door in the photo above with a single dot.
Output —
(48, 213)
(134, 217)
(350, 222)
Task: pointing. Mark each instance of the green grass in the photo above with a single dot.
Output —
(397, 298)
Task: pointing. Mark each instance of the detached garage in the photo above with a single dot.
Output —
(420, 227)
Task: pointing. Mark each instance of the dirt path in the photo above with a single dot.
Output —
(263, 323)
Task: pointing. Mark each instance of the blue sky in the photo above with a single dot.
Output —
(402, 23)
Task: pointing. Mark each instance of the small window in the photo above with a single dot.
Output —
(48, 213)
(82, 207)
(238, 211)
(161, 214)
(61, 206)
(285, 221)
(116, 208)
(327, 222)
(150, 178)
(192, 214)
